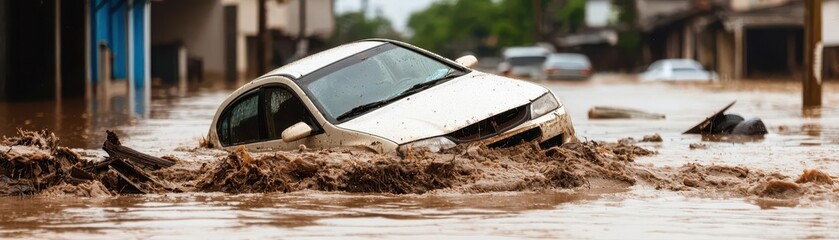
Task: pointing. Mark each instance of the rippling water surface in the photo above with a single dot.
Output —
(798, 140)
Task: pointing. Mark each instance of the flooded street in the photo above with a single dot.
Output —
(796, 141)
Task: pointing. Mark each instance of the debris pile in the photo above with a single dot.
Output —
(465, 169)
(34, 163)
(124, 171)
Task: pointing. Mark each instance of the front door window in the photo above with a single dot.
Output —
(282, 109)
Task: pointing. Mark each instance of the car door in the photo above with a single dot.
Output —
(258, 118)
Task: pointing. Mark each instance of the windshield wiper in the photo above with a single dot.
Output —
(363, 108)
(422, 86)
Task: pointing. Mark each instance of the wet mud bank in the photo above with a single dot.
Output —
(34, 163)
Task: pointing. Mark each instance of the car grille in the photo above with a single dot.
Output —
(491, 126)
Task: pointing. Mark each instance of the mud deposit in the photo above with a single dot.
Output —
(34, 163)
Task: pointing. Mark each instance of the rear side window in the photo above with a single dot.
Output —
(240, 122)
(261, 115)
(244, 120)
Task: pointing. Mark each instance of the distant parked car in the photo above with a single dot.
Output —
(387, 96)
(677, 70)
(523, 61)
(567, 66)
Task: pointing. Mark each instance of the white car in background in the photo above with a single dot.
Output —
(388, 97)
(677, 70)
(523, 61)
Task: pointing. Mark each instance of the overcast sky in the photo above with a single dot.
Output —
(397, 11)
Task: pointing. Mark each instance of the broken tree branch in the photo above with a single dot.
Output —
(116, 151)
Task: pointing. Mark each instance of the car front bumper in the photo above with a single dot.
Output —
(553, 128)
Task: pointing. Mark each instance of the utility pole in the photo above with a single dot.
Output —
(302, 42)
(812, 82)
(260, 37)
(537, 20)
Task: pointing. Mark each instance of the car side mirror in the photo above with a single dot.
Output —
(296, 132)
(468, 61)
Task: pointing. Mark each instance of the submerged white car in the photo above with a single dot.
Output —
(677, 70)
(388, 97)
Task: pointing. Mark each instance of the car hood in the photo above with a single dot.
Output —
(445, 108)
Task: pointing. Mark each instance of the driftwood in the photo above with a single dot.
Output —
(123, 177)
(599, 112)
(124, 170)
(116, 151)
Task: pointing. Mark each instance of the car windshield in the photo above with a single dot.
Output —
(685, 70)
(527, 61)
(371, 78)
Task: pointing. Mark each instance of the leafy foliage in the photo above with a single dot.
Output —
(353, 26)
(572, 16)
(479, 26)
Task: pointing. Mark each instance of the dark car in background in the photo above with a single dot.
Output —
(572, 66)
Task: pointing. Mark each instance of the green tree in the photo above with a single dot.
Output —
(353, 26)
(572, 16)
(452, 27)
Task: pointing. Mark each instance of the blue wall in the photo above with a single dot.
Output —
(110, 26)
(118, 35)
(138, 12)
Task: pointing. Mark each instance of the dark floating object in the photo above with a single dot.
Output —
(729, 124)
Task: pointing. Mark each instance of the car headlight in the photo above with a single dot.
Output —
(435, 144)
(543, 105)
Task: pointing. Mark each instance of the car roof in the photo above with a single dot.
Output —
(525, 52)
(675, 62)
(311, 63)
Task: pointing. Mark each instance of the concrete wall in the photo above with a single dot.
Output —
(725, 55)
(198, 24)
(650, 10)
(320, 22)
(830, 21)
(598, 12)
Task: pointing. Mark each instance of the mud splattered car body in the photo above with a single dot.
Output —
(386, 96)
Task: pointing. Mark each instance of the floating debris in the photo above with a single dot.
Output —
(720, 124)
(601, 112)
(816, 176)
(652, 138)
(697, 146)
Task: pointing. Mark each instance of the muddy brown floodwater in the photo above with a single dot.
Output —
(605, 187)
